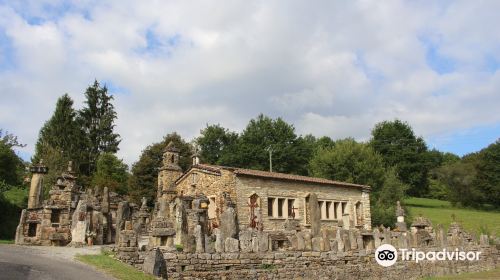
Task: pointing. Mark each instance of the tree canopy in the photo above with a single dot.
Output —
(350, 161)
(401, 149)
(216, 144)
(97, 119)
(59, 140)
(11, 166)
(111, 172)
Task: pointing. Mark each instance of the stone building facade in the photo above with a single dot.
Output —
(208, 203)
(69, 215)
(267, 200)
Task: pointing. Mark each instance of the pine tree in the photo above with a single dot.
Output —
(59, 140)
(97, 120)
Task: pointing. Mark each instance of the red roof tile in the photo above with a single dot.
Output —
(276, 175)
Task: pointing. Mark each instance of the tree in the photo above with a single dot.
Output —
(351, 162)
(401, 149)
(9, 139)
(358, 163)
(383, 202)
(111, 172)
(488, 174)
(290, 154)
(144, 178)
(460, 178)
(11, 166)
(215, 143)
(324, 142)
(59, 140)
(97, 120)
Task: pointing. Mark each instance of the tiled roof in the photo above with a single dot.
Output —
(276, 175)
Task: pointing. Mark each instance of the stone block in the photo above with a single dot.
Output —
(154, 263)
(300, 241)
(231, 245)
(317, 243)
(307, 241)
(246, 241)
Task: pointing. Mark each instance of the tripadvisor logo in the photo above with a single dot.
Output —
(386, 255)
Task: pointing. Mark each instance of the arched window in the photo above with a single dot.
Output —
(254, 205)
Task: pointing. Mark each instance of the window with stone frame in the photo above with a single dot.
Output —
(254, 208)
(55, 217)
(332, 210)
(359, 213)
(194, 178)
(281, 207)
(344, 208)
(32, 229)
(327, 209)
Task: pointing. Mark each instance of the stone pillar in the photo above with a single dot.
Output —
(345, 221)
(315, 214)
(180, 222)
(36, 187)
(122, 214)
(105, 201)
(79, 223)
(400, 218)
(20, 229)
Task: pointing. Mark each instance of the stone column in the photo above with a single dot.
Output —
(36, 187)
(20, 228)
(315, 214)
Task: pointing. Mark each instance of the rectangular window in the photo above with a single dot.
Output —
(335, 210)
(280, 207)
(328, 210)
(281, 204)
(291, 208)
(270, 204)
(321, 206)
(55, 217)
(344, 207)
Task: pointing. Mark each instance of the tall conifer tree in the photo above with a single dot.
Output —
(97, 120)
(59, 140)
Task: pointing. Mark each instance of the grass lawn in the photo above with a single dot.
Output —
(440, 212)
(113, 267)
(490, 274)
(2, 241)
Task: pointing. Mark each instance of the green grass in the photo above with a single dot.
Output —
(3, 241)
(114, 267)
(490, 274)
(440, 212)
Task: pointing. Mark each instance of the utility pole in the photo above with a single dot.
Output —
(270, 150)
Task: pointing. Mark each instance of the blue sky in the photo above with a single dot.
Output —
(333, 68)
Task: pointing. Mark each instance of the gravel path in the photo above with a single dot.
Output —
(40, 262)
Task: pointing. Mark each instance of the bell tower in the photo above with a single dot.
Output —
(170, 170)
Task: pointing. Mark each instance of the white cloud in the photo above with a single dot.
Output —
(333, 68)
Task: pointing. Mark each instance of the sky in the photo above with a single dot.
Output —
(332, 68)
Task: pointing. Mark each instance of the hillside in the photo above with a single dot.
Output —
(440, 212)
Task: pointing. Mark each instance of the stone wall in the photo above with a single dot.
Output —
(315, 265)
